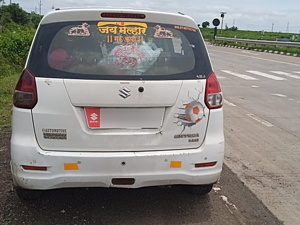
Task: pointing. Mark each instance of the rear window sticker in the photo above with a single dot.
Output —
(80, 30)
(185, 28)
(123, 32)
(124, 39)
(161, 32)
(191, 112)
(126, 28)
(55, 134)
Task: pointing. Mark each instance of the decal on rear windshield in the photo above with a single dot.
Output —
(161, 32)
(185, 28)
(127, 32)
(80, 30)
(191, 112)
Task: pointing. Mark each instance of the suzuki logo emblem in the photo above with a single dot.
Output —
(124, 92)
(94, 116)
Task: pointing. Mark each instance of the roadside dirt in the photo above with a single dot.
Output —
(6, 187)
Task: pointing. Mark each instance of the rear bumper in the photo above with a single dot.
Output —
(97, 169)
(66, 169)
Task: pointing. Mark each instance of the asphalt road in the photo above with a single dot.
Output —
(262, 125)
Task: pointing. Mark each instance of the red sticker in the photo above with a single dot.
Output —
(92, 117)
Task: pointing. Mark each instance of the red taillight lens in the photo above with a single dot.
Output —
(25, 95)
(213, 93)
(123, 15)
(208, 164)
(40, 168)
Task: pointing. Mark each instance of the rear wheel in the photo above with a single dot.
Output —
(26, 194)
(200, 189)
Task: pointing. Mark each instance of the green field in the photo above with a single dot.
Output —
(208, 35)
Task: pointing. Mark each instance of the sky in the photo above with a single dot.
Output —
(258, 15)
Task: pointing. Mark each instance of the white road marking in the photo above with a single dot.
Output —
(228, 103)
(254, 57)
(279, 95)
(254, 86)
(243, 76)
(297, 72)
(221, 77)
(265, 75)
(286, 74)
(264, 122)
(250, 53)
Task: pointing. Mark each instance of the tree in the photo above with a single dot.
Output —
(35, 19)
(5, 18)
(233, 28)
(17, 14)
(205, 24)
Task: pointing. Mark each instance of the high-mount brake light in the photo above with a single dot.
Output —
(124, 15)
(25, 95)
(213, 93)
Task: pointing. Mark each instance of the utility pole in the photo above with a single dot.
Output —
(40, 6)
(272, 27)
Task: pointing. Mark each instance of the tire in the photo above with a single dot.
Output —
(200, 189)
(26, 194)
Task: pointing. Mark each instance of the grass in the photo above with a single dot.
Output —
(7, 86)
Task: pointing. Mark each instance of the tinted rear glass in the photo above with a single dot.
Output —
(108, 50)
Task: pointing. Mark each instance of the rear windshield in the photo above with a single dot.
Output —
(108, 50)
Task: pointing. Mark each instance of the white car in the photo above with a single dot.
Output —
(116, 98)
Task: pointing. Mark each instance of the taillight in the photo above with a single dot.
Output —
(213, 93)
(25, 95)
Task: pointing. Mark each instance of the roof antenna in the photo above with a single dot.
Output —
(181, 13)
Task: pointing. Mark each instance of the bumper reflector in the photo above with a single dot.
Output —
(175, 164)
(208, 164)
(71, 166)
(40, 168)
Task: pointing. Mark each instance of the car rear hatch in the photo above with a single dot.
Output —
(83, 115)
